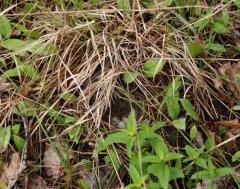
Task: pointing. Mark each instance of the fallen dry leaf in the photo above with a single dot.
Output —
(52, 163)
(37, 182)
(230, 70)
(227, 123)
(10, 172)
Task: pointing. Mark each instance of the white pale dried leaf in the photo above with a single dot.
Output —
(52, 163)
(37, 183)
(10, 172)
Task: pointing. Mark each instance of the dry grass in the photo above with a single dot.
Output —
(94, 48)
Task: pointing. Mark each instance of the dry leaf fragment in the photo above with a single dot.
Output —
(227, 123)
(37, 183)
(230, 70)
(10, 172)
(52, 163)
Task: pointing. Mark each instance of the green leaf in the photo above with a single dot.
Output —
(173, 107)
(28, 33)
(172, 156)
(5, 134)
(83, 184)
(129, 77)
(180, 123)
(211, 168)
(193, 132)
(131, 123)
(5, 26)
(201, 163)
(118, 137)
(216, 47)
(200, 175)
(15, 45)
(11, 73)
(236, 156)
(201, 24)
(30, 7)
(68, 96)
(225, 18)
(152, 67)
(75, 133)
(189, 109)
(236, 107)
(24, 108)
(173, 88)
(162, 171)
(164, 176)
(15, 129)
(151, 159)
(219, 28)
(135, 175)
(224, 171)
(175, 173)
(113, 158)
(123, 4)
(195, 49)
(29, 71)
(19, 142)
(40, 48)
(157, 126)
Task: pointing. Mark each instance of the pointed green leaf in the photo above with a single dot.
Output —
(135, 175)
(236, 156)
(187, 105)
(224, 171)
(219, 28)
(152, 67)
(5, 26)
(200, 175)
(195, 49)
(15, 129)
(131, 123)
(216, 47)
(129, 77)
(193, 132)
(173, 107)
(175, 173)
(180, 123)
(5, 134)
(19, 142)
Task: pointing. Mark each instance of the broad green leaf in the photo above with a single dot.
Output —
(211, 168)
(131, 123)
(118, 137)
(83, 184)
(180, 123)
(236, 156)
(162, 171)
(5, 26)
(195, 49)
(193, 132)
(5, 134)
(201, 24)
(189, 109)
(135, 175)
(151, 159)
(40, 48)
(142, 135)
(15, 45)
(30, 7)
(113, 159)
(200, 175)
(75, 133)
(173, 107)
(129, 77)
(24, 108)
(201, 163)
(15, 129)
(236, 107)
(11, 73)
(123, 4)
(68, 96)
(28, 33)
(70, 120)
(172, 156)
(29, 71)
(164, 176)
(152, 67)
(225, 18)
(19, 142)
(157, 125)
(175, 173)
(219, 28)
(224, 171)
(216, 47)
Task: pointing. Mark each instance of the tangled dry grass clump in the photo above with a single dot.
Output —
(82, 79)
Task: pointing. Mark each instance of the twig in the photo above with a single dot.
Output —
(23, 164)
